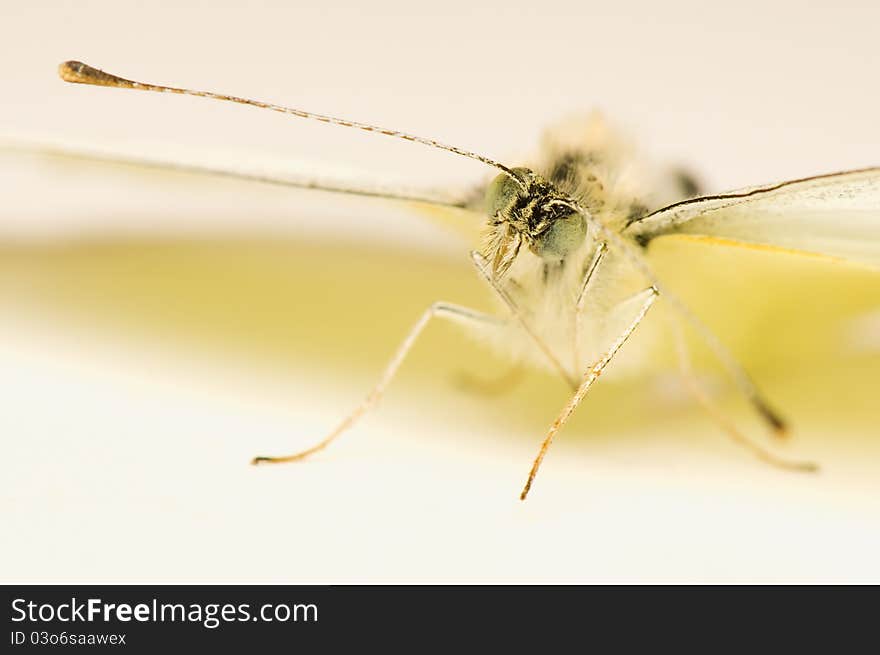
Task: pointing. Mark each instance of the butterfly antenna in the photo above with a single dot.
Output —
(77, 72)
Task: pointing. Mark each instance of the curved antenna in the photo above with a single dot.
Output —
(76, 72)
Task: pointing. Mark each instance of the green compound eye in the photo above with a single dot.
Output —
(503, 192)
(564, 236)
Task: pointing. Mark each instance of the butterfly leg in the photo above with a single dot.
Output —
(703, 397)
(601, 249)
(483, 268)
(462, 315)
(647, 297)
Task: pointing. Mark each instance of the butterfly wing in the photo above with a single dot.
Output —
(107, 181)
(835, 215)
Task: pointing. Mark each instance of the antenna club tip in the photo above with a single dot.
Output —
(76, 72)
(72, 71)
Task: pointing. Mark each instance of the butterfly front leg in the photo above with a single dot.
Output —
(644, 300)
(589, 275)
(484, 269)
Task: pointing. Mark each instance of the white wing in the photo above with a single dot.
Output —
(289, 172)
(52, 187)
(835, 215)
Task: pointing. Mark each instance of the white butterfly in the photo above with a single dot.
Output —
(564, 248)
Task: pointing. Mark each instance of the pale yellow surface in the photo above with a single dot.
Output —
(156, 331)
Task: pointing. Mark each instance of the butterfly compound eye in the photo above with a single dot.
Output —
(504, 191)
(564, 236)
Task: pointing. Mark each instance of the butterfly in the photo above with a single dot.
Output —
(564, 251)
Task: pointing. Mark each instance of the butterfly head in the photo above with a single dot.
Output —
(526, 209)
